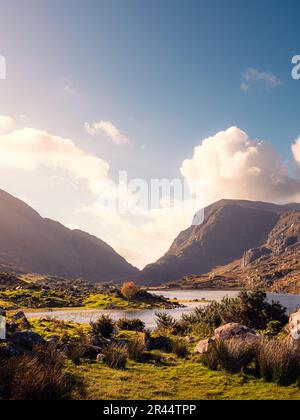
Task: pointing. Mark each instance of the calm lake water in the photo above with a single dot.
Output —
(291, 302)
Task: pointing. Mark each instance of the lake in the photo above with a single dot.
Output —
(291, 302)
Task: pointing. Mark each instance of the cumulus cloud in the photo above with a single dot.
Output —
(28, 149)
(231, 165)
(253, 76)
(109, 129)
(6, 124)
(296, 150)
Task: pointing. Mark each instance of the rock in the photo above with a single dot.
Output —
(202, 346)
(26, 339)
(235, 330)
(294, 326)
(254, 254)
(100, 357)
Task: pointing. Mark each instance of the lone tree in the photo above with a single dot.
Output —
(129, 290)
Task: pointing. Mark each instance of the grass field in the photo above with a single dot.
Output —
(183, 380)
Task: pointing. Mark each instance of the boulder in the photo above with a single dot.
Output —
(294, 326)
(100, 357)
(202, 346)
(235, 330)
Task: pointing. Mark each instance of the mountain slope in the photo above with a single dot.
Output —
(230, 228)
(30, 243)
(274, 266)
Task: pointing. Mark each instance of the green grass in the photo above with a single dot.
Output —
(186, 380)
(54, 328)
(110, 301)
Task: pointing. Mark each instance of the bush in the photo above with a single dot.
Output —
(161, 343)
(136, 349)
(180, 348)
(131, 324)
(103, 327)
(278, 361)
(164, 321)
(115, 356)
(250, 308)
(129, 290)
(233, 356)
(38, 376)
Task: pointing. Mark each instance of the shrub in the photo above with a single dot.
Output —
(38, 376)
(136, 349)
(180, 348)
(233, 356)
(164, 321)
(115, 356)
(161, 343)
(250, 308)
(278, 361)
(104, 326)
(129, 290)
(131, 324)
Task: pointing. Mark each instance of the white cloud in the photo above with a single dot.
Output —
(253, 76)
(28, 149)
(142, 239)
(109, 129)
(296, 150)
(230, 165)
(7, 124)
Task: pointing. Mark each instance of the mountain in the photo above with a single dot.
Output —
(30, 243)
(230, 228)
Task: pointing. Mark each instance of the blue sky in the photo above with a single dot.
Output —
(166, 73)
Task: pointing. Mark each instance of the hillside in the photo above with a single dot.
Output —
(30, 243)
(274, 266)
(230, 228)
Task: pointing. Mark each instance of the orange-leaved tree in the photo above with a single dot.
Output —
(129, 290)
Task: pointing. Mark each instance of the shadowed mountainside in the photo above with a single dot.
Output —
(30, 243)
(230, 228)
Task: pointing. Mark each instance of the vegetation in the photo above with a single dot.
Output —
(129, 290)
(136, 348)
(103, 327)
(100, 361)
(233, 356)
(250, 308)
(39, 292)
(278, 361)
(131, 324)
(38, 376)
(181, 380)
(115, 356)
